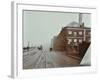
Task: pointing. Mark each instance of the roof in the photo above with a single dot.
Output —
(75, 25)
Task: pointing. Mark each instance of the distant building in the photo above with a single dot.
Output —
(59, 42)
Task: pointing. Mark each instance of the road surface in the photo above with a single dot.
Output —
(35, 59)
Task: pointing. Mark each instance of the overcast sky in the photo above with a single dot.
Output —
(39, 27)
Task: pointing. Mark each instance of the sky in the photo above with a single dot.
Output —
(39, 27)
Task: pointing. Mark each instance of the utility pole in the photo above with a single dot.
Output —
(28, 46)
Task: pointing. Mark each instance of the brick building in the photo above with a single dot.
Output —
(71, 37)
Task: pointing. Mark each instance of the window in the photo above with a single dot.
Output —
(69, 41)
(75, 40)
(89, 33)
(75, 33)
(70, 32)
(80, 33)
(75, 43)
(80, 40)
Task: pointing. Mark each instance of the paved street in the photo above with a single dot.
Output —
(45, 59)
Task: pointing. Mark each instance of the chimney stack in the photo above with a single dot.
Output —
(80, 20)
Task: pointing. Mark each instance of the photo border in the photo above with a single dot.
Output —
(16, 63)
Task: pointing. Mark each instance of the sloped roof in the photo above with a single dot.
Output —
(73, 24)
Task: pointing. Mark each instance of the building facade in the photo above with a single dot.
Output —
(71, 37)
(76, 35)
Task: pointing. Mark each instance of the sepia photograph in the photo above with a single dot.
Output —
(54, 39)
